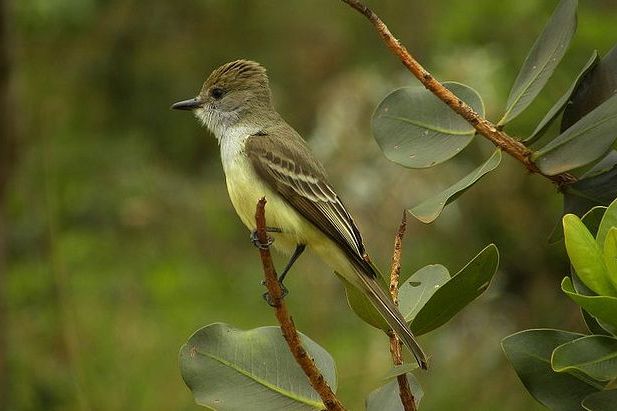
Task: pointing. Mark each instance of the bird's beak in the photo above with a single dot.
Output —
(191, 104)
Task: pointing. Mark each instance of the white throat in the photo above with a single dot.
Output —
(218, 122)
(231, 133)
(232, 141)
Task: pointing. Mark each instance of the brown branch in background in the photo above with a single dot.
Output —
(484, 127)
(395, 344)
(288, 328)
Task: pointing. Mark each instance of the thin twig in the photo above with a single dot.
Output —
(288, 328)
(395, 344)
(484, 127)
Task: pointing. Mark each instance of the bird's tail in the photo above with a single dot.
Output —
(388, 310)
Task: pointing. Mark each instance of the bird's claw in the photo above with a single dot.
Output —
(268, 298)
(257, 243)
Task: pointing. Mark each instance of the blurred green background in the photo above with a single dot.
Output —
(120, 241)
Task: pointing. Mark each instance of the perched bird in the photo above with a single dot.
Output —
(263, 156)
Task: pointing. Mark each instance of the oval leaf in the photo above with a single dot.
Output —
(602, 166)
(592, 324)
(603, 308)
(415, 129)
(590, 218)
(386, 397)
(361, 305)
(609, 220)
(585, 256)
(429, 210)
(543, 58)
(596, 87)
(601, 401)
(594, 355)
(584, 142)
(610, 255)
(226, 368)
(593, 218)
(418, 289)
(464, 287)
(561, 103)
(530, 352)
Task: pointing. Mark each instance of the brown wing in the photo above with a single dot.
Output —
(289, 167)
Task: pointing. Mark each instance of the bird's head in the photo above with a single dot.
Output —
(231, 93)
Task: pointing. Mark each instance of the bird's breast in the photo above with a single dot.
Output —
(246, 188)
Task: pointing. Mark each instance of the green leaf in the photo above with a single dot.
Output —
(609, 220)
(543, 58)
(529, 352)
(226, 368)
(610, 255)
(592, 324)
(587, 140)
(607, 163)
(596, 87)
(415, 129)
(601, 401)
(561, 103)
(603, 308)
(419, 288)
(361, 305)
(464, 287)
(588, 192)
(387, 398)
(429, 210)
(591, 219)
(397, 370)
(585, 256)
(594, 355)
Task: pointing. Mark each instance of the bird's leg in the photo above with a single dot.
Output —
(284, 291)
(269, 241)
(297, 253)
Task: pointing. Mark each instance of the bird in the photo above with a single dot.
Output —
(263, 156)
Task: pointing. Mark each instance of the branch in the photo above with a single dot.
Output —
(287, 326)
(395, 344)
(484, 127)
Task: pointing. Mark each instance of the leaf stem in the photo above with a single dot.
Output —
(288, 328)
(483, 126)
(395, 344)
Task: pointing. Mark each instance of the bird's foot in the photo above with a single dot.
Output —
(269, 240)
(257, 243)
(268, 298)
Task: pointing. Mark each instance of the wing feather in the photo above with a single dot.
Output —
(304, 186)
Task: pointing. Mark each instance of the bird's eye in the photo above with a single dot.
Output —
(217, 93)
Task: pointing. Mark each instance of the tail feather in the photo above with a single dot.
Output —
(393, 317)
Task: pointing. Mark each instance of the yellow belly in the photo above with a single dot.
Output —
(246, 188)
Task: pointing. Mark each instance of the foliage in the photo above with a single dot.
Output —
(428, 299)
(567, 371)
(385, 398)
(121, 240)
(431, 296)
(230, 369)
(429, 209)
(416, 130)
(542, 60)
(587, 132)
